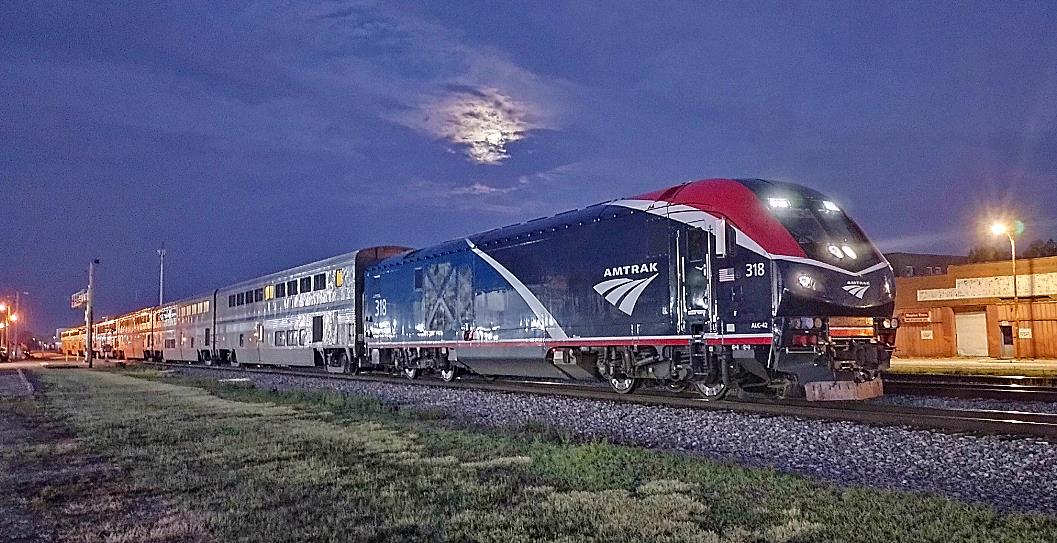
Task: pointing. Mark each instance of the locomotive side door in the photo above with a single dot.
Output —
(694, 285)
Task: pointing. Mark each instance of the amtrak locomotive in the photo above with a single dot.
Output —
(757, 286)
(762, 286)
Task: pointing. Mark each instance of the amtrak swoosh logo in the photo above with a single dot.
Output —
(856, 290)
(623, 292)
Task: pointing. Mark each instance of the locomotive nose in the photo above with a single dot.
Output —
(806, 289)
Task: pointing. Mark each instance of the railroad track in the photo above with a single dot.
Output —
(992, 387)
(1014, 423)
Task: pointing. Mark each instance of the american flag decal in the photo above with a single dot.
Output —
(726, 274)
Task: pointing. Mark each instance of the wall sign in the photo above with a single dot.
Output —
(1024, 333)
(912, 317)
(926, 334)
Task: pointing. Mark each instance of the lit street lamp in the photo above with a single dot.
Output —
(999, 229)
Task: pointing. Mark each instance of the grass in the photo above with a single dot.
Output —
(254, 465)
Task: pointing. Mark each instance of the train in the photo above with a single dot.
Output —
(761, 287)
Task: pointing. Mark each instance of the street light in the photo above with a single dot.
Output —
(998, 229)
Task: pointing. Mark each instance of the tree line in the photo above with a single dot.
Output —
(993, 252)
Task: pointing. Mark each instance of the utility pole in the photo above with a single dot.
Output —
(88, 354)
(161, 276)
(3, 327)
(1016, 300)
(16, 352)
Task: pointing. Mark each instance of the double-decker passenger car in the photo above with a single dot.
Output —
(762, 285)
(183, 329)
(303, 316)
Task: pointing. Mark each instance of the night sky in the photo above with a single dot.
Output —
(252, 136)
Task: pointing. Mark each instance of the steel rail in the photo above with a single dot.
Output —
(1012, 423)
(992, 387)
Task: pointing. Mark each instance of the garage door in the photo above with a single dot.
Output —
(971, 329)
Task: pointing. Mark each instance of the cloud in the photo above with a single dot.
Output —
(481, 121)
(478, 188)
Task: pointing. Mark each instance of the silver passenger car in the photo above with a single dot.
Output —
(183, 330)
(303, 316)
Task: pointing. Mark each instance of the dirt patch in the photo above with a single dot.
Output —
(53, 489)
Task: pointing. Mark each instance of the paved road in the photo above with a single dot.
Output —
(43, 360)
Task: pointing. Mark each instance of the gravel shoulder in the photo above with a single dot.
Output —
(1017, 474)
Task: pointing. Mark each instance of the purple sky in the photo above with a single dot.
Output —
(252, 136)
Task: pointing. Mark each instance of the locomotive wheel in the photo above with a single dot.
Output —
(712, 392)
(623, 385)
(411, 373)
(449, 374)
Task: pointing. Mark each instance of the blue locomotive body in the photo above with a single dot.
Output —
(712, 283)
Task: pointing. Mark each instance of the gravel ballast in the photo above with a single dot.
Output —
(972, 404)
(1009, 473)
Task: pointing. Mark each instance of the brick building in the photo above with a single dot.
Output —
(968, 311)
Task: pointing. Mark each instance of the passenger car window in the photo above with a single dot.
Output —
(319, 281)
(291, 287)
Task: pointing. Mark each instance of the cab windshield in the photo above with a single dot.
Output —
(824, 232)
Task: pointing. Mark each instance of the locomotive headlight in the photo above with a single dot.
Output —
(806, 281)
(850, 252)
(778, 202)
(895, 322)
(817, 322)
(835, 251)
(806, 322)
(887, 323)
